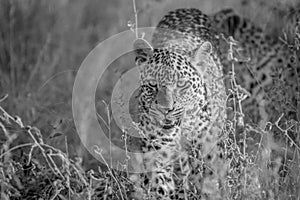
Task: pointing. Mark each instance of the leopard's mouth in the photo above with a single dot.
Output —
(169, 124)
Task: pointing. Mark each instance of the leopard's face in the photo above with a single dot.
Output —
(170, 85)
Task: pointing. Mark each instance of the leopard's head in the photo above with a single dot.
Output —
(170, 83)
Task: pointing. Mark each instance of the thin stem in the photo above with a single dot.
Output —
(135, 19)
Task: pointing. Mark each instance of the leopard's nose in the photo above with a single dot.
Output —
(164, 110)
(164, 98)
(167, 121)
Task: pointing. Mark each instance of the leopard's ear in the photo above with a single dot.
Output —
(203, 52)
(143, 50)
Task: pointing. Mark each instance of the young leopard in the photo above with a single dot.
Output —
(181, 108)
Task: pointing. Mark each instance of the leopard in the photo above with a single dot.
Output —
(181, 108)
(271, 74)
(184, 96)
(267, 67)
(270, 60)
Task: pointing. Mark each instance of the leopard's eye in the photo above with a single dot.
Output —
(181, 83)
(148, 90)
(152, 83)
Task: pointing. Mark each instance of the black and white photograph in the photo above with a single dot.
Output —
(150, 99)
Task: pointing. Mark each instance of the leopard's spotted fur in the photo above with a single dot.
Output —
(182, 95)
(271, 64)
